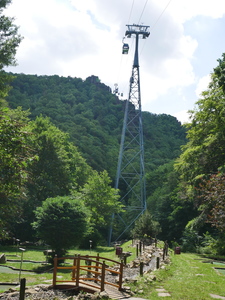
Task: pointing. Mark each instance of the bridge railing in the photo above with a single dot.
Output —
(95, 269)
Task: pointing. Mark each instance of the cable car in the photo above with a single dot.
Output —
(125, 48)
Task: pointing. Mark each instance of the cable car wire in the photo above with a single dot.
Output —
(130, 12)
(161, 14)
(142, 11)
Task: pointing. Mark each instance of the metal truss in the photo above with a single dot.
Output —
(130, 178)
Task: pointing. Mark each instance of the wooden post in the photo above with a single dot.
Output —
(157, 262)
(78, 270)
(96, 269)
(121, 276)
(141, 268)
(137, 250)
(140, 247)
(22, 288)
(55, 270)
(88, 262)
(74, 267)
(103, 277)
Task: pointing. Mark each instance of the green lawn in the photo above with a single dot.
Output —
(46, 275)
(188, 277)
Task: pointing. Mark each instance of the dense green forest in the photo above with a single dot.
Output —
(93, 117)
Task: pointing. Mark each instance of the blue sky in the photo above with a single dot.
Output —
(82, 38)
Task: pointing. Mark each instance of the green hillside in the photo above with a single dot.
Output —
(93, 117)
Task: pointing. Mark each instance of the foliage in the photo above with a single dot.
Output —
(61, 222)
(93, 117)
(9, 42)
(15, 157)
(212, 200)
(204, 153)
(102, 201)
(58, 170)
(60, 167)
(101, 198)
(145, 227)
(220, 72)
(167, 204)
(203, 156)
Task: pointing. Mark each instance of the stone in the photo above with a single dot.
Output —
(216, 296)
(164, 295)
(104, 295)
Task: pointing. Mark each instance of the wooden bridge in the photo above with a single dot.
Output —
(89, 274)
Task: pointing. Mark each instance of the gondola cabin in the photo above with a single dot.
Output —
(125, 48)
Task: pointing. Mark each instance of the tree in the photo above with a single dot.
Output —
(15, 156)
(145, 227)
(204, 153)
(9, 42)
(61, 222)
(220, 72)
(102, 201)
(203, 156)
(60, 168)
(212, 200)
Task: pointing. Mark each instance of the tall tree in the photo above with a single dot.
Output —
(9, 42)
(15, 156)
(102, 200)
(204, 155)
(58, 169)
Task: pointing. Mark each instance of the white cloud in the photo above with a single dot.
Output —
(83, 38)
(202, 85)
(182, 116)
(187, 9)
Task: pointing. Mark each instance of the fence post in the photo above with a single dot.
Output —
(88, 262)
(157, 262)
(96, 269)
(103, 277)
(74, 267)
(55, 270)
(78, 270)
(140, 247)
(141, 268)
(22, 288)
(121, 275)
(136, 250)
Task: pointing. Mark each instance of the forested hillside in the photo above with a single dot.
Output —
(93, 117)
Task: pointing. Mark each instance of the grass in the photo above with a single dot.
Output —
(46, 275)
(186, 278)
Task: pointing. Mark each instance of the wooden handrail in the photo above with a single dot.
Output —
(93, 266)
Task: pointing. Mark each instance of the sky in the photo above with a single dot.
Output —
(82, 38)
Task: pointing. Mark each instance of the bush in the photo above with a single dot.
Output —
(62, 222)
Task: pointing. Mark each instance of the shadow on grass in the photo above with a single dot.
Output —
(43, 269)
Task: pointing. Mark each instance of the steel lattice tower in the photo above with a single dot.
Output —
(130, 176)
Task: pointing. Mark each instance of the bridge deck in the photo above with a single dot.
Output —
(113, 292)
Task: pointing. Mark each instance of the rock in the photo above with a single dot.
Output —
(104, 295)
(152, 277)
(3, 259)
